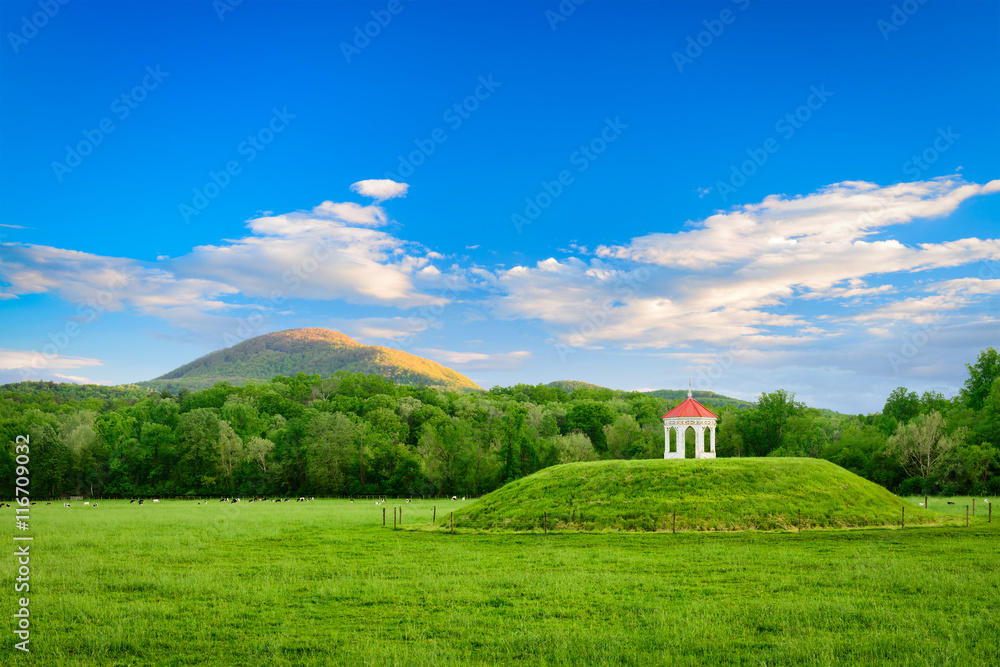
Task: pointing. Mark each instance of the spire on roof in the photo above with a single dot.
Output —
(689, 387)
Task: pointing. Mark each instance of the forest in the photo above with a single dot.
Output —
(356, 434)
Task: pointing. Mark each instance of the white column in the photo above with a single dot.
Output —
(712, 427)
(699, 442)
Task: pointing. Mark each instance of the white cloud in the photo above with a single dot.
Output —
(739, 275)
(329, 253)
(383, 328)
(31, 360)
(478, 360)
(380, 189)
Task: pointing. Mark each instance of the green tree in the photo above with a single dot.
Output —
(922, 445)
(230, 452)
(332, 447)
(590, 417)
(982, 375)
(901, 406)
(197, 443)
(625, 438)
(762, 428)
(259, 451)
(574, 447)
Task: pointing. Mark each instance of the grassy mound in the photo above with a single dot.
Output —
(707, 494)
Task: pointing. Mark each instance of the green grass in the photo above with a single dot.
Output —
(706, 494)
(323, 583)
(956, 505)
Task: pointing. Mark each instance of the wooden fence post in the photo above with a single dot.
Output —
(927, 505)
(973, 507)
(383, 517)
(400, 515)
(991, 514)
(394, 518)
(435, 514)
(902, 520)
(673, 528)
(966, 516)
(800, 520)
(545, 521)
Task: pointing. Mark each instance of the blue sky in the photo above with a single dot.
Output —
(750, 195)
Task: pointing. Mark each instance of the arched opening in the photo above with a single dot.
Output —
(672, 445)
(690, 446)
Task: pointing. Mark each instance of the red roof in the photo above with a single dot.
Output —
(690, 408)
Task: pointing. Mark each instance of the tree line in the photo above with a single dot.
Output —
(354, 434)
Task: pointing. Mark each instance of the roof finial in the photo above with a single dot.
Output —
(689, 388)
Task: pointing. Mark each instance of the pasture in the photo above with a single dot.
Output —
(322, 583)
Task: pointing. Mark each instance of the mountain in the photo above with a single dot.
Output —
(311, 351)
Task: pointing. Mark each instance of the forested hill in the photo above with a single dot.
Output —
(705, 397)
(312, 351)
(673, 395)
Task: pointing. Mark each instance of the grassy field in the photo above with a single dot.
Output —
(322, 583)
(706, 494)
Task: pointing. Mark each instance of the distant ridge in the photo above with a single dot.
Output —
(701, 396)
(313, 351)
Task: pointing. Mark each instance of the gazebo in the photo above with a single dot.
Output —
(689, 414)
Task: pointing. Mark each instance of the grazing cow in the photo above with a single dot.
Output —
(65, 504)
(86, 504)
(950, 503)
(95, 504)
(352, 501)
(141, 501)
(454, 497)
(131, 502)
(48, 503)
(156, 500)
